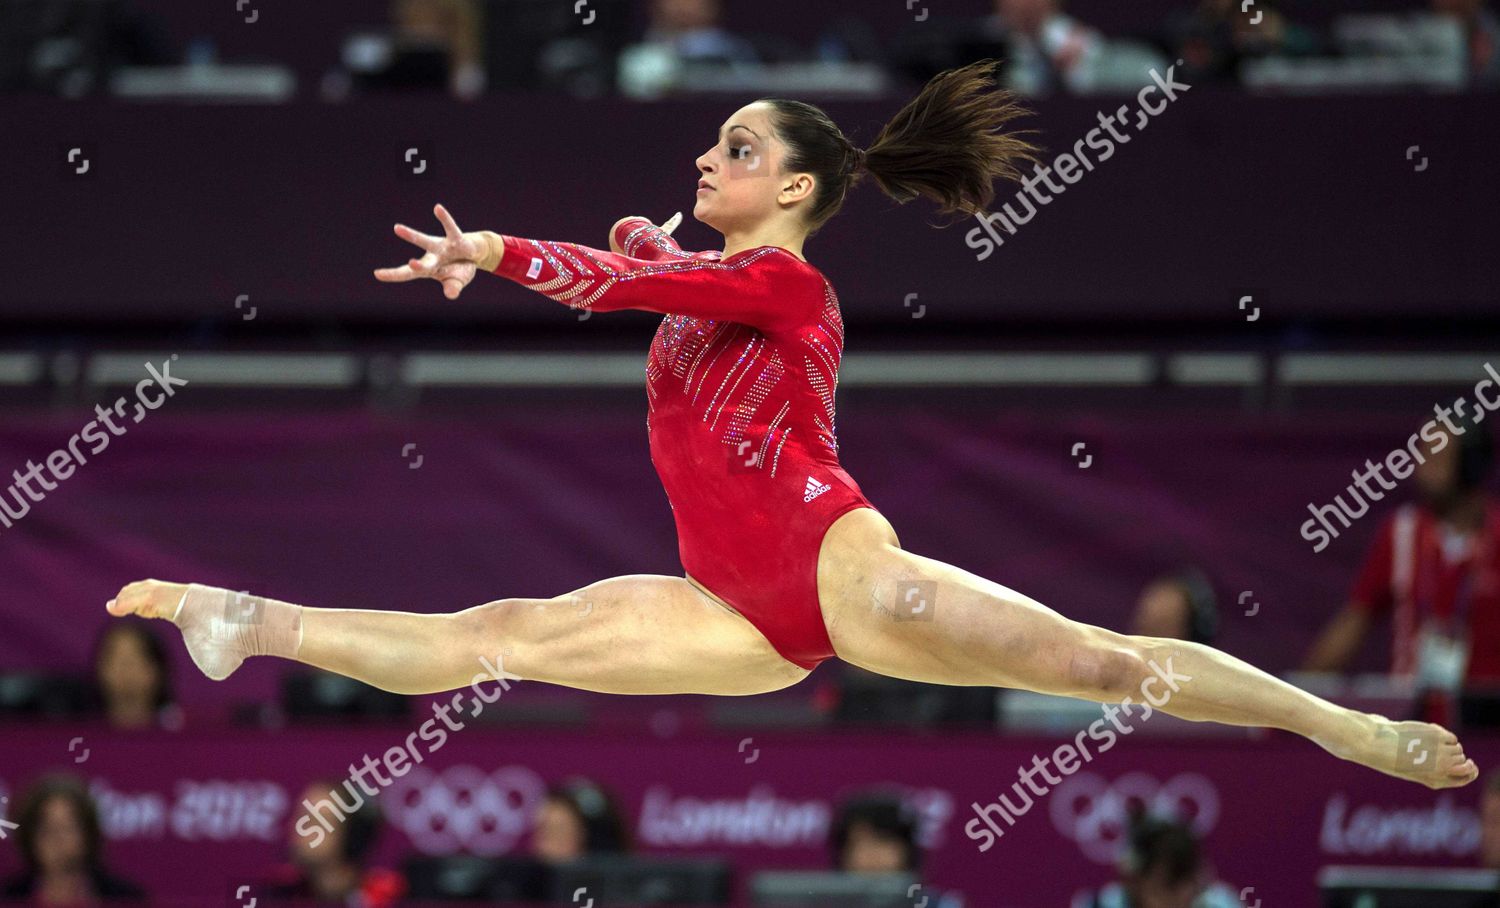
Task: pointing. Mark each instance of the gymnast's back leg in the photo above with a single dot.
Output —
(897, 613)
(635, 634)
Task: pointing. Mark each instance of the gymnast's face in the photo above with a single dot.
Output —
(743, 170)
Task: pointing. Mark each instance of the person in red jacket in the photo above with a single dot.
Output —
(1434, 566)
(787, 563)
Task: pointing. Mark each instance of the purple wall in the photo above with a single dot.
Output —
(1308, 203)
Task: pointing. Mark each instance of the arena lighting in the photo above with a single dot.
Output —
(20, 368)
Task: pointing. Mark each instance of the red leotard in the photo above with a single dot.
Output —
(740, 382)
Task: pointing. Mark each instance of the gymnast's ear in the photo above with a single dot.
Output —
(801, 186)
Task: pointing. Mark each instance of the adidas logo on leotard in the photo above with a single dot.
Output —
(814, 489)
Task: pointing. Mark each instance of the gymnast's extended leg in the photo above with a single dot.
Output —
(971, 631)
(636, 634)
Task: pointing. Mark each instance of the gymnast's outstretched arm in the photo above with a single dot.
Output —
(766, 287)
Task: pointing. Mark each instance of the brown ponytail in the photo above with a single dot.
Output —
(945, 144)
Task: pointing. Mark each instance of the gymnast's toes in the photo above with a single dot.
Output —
(1431, 755)
(148, 599)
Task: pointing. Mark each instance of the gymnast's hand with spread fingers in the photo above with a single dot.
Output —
(451, 259)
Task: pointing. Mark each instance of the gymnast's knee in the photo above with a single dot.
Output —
(1107, 668)
(501, 619)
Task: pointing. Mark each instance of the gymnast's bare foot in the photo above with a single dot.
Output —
(221, 628)
(1416, 751)
(148, 598)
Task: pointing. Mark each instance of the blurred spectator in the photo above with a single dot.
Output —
(137, 37)
(332, 867)
(1489, 822)
(132, 677)
(1181, 606)
(1436, 565)
(693, 32)
(1213, 37)
(430, 44)
(1049, 51)
(680, 32)
(62, 848)
(1481, 34)
(454, 25)
(70, 49)
(875, 833)
(578, 818)
(1161, 868)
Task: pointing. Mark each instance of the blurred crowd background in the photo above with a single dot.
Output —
(1140, 409)
(649, 49)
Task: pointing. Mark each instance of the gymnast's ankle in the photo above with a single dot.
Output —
(222, 628)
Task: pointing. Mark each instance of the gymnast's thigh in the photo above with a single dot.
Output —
(633, 634)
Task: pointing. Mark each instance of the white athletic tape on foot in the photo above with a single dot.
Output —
(223, 628)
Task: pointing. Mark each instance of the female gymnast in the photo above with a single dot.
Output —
(786, 564)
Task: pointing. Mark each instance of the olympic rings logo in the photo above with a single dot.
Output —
(463, 809)
(1095, 813)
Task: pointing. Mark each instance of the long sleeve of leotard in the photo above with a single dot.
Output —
(766, 287)
(641, 239)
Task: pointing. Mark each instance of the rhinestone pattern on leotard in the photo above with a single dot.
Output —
(734, 380)
(580, 279)
(661, 242)
(713, 383)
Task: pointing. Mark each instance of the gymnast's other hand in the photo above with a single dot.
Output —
(451, 259)
(667, 226)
